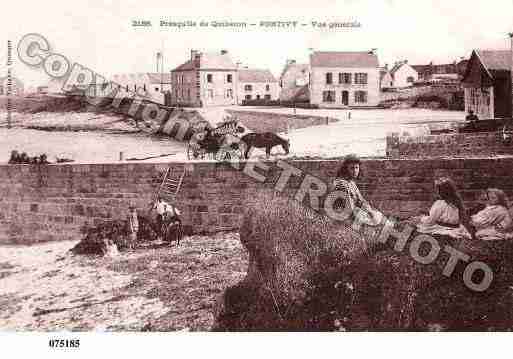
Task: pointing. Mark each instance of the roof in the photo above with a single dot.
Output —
(422, 68)
(210, 61)
(256, 75)
(156, 78)
(398, 65)
(495, 59)
(344, 59)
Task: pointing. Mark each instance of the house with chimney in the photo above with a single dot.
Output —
(206, 79)
(257, 84)
(487, 83)
(340, 79)
(403, 74)
(294, 80)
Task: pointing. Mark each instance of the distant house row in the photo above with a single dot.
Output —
(403, 75)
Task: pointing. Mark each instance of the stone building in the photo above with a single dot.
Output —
(344, 79)
(488, 83)
(257, 84)
(206, 79)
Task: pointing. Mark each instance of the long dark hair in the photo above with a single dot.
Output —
(446, 189)
(348, 160)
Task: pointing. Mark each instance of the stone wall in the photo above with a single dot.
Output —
(444, 145)
(277, 122)
(52, 202)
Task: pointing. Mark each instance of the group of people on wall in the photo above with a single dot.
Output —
(447, 216)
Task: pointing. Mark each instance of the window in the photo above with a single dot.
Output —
(344, 78)
(229, 93)
(127, 87)
(176, 93)
(210, 93)
(360, 78)
(328, 96)
(258, 97)
(360, 96)
(135, 88)
(144, 87)
(248, 87)
(410, 79)
(209, 78)
(229, 78)
(156, 88)
(267, 88)
(248, 97)
(267, 97)
(329, 78)
(345, 98)
(188, 94)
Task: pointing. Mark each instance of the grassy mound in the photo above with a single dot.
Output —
(309, 273)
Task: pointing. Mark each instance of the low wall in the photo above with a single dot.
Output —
(278, 122)
(52, 202)
(444, 145)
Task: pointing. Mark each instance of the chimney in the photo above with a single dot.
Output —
(193, 54)
(386, 67)
(290, 62)
(405, 61)
(224, 52)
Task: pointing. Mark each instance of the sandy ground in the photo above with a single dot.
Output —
(99, 138)
(159, 288)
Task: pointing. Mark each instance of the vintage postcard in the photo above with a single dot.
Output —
(271, 166)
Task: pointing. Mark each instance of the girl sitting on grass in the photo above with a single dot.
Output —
(447, 216)
(494, 221)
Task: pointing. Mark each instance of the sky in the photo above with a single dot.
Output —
(100, 35)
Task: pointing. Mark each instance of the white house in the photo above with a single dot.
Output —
(257, 84)
(386, 81)
(294, 81)
(342, 79)
(403, 74)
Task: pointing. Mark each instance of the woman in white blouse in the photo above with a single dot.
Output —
(447, 215)
(494, 221)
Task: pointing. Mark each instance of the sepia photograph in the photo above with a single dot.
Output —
(255, 167)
